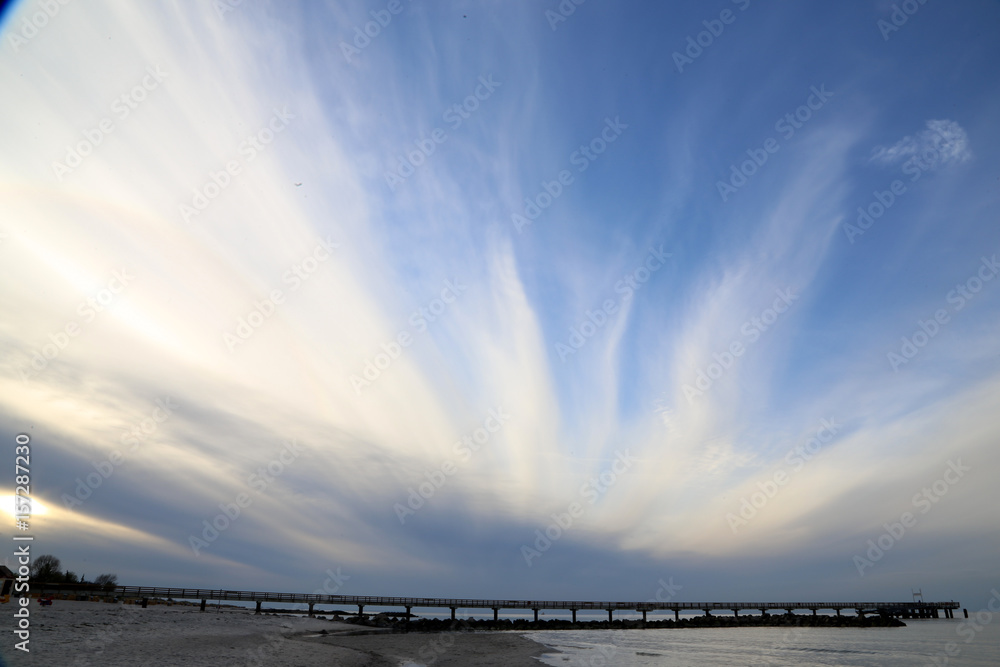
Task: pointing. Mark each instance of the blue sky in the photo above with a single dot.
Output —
(242, 237)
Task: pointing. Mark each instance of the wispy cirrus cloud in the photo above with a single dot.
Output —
(943, 142)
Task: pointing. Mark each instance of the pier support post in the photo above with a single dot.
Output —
(145, 601)
(256, 612)
(453, 613)
(643, 615)
(203, 603)
(708, 613)
(814, 612)
(496, 614)
(311, 608)
(838, 611)
(408, 615)
(763, 613)
(677, 615)
(361, 610)
(574, 615)
(610, 616)
(964, 610)
(536, 615)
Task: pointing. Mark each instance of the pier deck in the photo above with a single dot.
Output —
(896, 609)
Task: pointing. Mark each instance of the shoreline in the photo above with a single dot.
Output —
(85, 634)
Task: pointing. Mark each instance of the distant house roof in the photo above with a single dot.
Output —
(5, 572)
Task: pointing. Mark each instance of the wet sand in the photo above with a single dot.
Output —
(85, 634)
(444, 649)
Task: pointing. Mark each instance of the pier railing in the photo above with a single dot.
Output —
(362, 601)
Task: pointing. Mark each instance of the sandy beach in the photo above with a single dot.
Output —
(85, 634)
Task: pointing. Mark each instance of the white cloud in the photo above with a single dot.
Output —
(944, 142)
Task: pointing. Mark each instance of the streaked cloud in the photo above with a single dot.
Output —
(231, 245)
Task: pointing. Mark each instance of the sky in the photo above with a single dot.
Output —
(526, 300)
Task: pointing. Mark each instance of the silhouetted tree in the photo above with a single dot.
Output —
(107, 581)
(46, 568)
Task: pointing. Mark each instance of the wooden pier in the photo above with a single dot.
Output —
(909, 609)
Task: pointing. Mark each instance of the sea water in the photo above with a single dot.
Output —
(957, 643)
